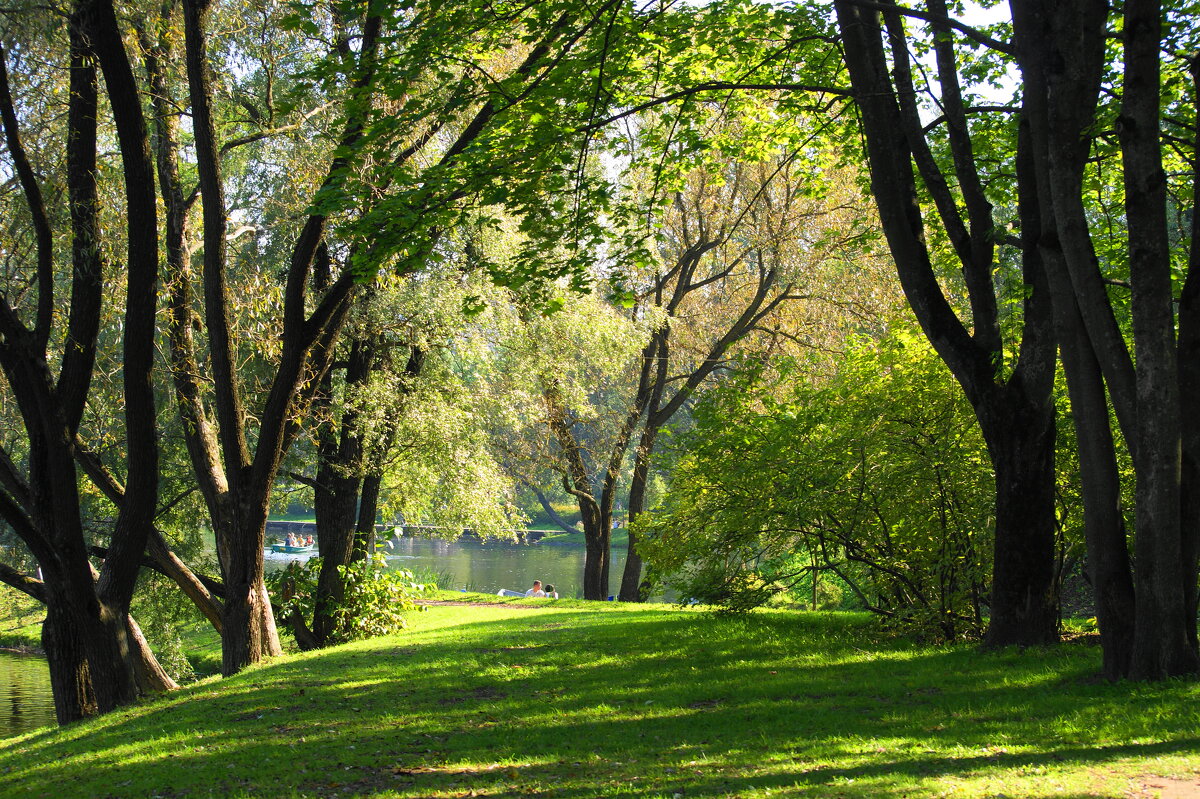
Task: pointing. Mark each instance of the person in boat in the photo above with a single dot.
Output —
(536, 590)
(550, 592)
(308, 541)
(291, 540)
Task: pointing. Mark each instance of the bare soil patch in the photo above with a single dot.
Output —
(1167, 788)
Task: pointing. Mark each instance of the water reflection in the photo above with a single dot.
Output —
(489, 567)
(25, 698)
(473, 566)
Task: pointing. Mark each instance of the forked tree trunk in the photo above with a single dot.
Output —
(1063, 55)
(1104, 528)
(1015, 414)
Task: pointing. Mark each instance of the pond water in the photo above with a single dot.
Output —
(25, 700)
(487, 568)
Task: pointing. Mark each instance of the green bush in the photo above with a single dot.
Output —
(876, 481)
(375, 603)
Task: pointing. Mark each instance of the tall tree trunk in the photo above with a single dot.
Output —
(1020, 439)
(336, 496)
(1104, 528)
(1062, 48)
(1162, 645)
(368, 510)
(1189, 391)
(632, 587)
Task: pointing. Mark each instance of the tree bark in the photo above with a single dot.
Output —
(1189, 392)
(1020, 439)
(1162, 645)
(335, 502)
(87, 637)
(70, 680)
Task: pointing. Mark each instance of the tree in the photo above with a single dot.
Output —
(1079, 96)
(419, 133)
(1148, 623)
(743, 243)
(396, 428)
(98, 660)
(1011, 398)
(569, 377)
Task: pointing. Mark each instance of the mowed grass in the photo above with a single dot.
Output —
(601, 700)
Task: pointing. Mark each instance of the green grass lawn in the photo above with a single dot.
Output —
(564, 699)
(619, 538)
(20, 620)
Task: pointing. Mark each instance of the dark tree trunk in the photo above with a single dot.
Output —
(336, 515)
(596, 535)
(1162, 644)
(1104, 528)
(1189, 393)
(1020, 438)
(368, 510)
(1062, 51)
(632, 587)
(92, 658)
(248, 631)
(70, 681)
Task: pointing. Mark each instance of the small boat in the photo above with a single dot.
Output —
(291, 550)
(507, 592)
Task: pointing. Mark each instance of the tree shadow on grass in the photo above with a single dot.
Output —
(601, 704)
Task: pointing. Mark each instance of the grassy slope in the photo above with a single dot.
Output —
(619, 539)
(20, 620)
(570, 699)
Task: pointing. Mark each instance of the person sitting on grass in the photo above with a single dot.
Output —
(536, 590)
(550, 592)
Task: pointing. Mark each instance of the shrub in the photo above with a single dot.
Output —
(375, 603)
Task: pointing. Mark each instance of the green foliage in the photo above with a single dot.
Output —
(162, 612)
(375, 602)
(878, 478)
